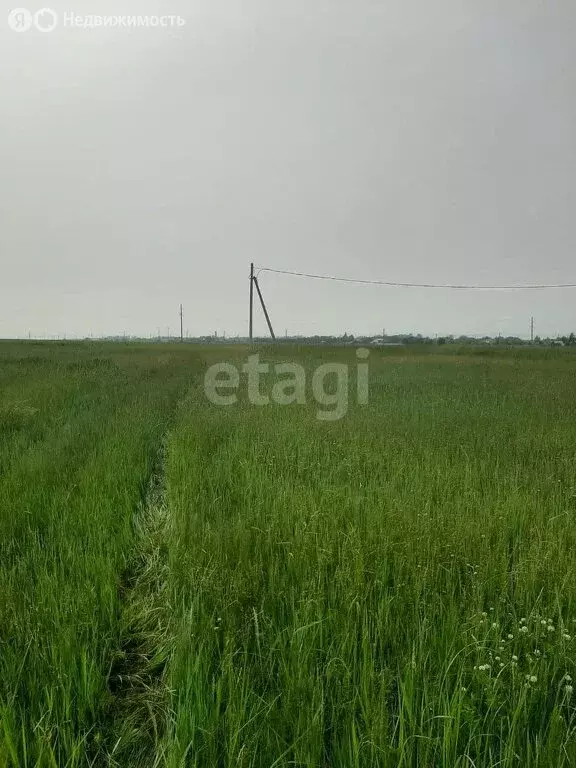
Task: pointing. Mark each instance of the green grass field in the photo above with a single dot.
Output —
(184, 584)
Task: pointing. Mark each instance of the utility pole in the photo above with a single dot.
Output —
(532, 330)
(255, 280)
(181, 325)
(251, 300)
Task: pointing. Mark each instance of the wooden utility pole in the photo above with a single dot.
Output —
(532, 330)
(251, 300)
(255, 281)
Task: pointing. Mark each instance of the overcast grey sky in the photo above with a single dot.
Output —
(402, 140)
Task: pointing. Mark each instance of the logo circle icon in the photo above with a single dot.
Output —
(45, 20)
(20, 20)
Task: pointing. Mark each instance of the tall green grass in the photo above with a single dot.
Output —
(394, 589)
(80, 428)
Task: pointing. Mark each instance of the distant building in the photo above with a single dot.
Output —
(383, 343)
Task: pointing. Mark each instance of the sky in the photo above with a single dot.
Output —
(395, 140)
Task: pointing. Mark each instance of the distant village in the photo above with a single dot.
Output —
(399, 340)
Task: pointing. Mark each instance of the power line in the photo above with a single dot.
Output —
(418, 285)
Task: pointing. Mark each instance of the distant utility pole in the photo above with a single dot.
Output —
(251, 300)
(532, 330)
(181, 324)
